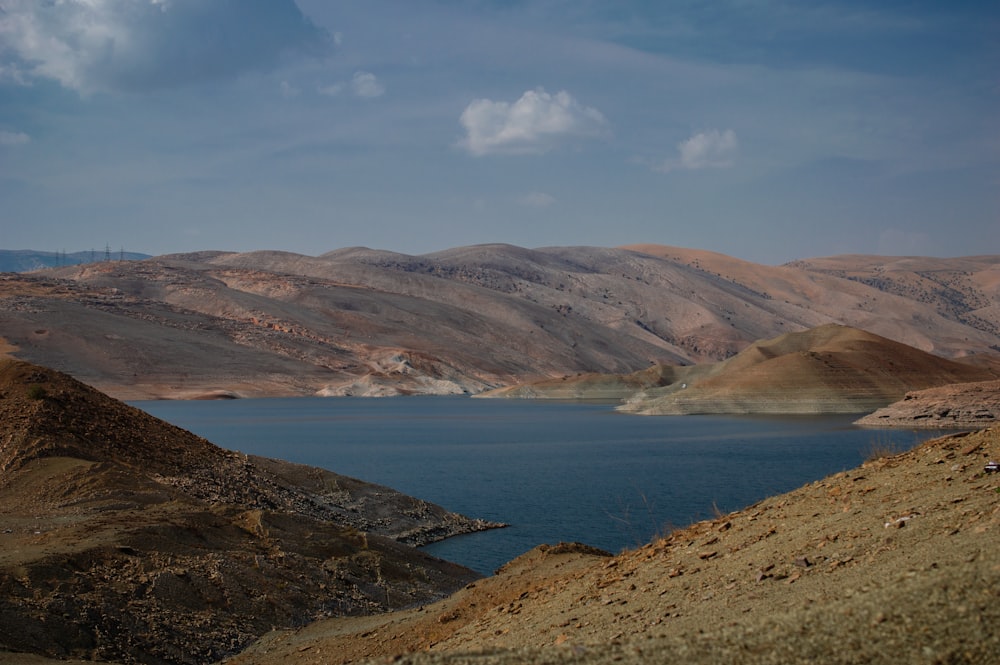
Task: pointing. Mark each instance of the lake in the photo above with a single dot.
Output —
(556, 471)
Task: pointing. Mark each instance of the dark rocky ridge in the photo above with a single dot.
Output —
(126, 538)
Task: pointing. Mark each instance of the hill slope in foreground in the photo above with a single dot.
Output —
(125, 538)
(827, 369)
(893, 562)
(366, 322)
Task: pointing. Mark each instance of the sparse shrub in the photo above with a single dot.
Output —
(882, 447)
(37, 391)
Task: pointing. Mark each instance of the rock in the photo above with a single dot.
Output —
(957, 406)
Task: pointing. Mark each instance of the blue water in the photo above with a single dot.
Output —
(555, 471)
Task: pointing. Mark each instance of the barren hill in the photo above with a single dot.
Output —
(125, 538)
(359, 321)
(827, 369)
(892, 562)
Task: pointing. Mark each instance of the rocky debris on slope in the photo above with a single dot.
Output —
(125, 538)
(958, 406)
(894, 561)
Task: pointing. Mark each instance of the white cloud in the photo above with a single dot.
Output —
(536, 200)
(364, 84)
(331, 90)
(704, 150)
(131, 45)
(532, 124)
(288, 91)
(13, 138)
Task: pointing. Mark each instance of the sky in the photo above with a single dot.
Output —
(768, 130)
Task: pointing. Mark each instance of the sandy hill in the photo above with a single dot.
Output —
(827, 369)
(359, 321)
(125, 538)
(892, 562)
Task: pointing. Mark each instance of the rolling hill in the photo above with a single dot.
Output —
(828, 369)
(358, 321)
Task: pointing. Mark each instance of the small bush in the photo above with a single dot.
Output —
(882, 448)
(36, 391)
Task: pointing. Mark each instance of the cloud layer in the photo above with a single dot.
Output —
(138, 45)
(535, 123)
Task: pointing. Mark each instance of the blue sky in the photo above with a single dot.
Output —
(769, 130)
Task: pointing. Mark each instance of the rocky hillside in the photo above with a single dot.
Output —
(960, 406)
(125, 538)
(828, 369)
(892, 562)
(366, 322)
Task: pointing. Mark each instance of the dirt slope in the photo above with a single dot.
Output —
(367, 322)
(125, 538)
(895, 561)
(827, 369)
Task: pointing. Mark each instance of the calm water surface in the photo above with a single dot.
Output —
(555, 471)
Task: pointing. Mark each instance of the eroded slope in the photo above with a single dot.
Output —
(125, 538)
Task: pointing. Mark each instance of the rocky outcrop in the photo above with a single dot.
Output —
(125, 538)
(960, 406)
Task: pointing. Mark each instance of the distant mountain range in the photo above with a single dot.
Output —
(27, 260)
(358, 321)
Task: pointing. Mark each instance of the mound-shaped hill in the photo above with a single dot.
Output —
(892, 562)
(829, 369)
(128, 539)
(359, 321)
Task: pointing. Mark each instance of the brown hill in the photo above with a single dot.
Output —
(958, 406)
(828, 369)
(893, 562)
(361, 321)
(125, 538)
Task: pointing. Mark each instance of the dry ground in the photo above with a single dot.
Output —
(368, 322)
(896, 561)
